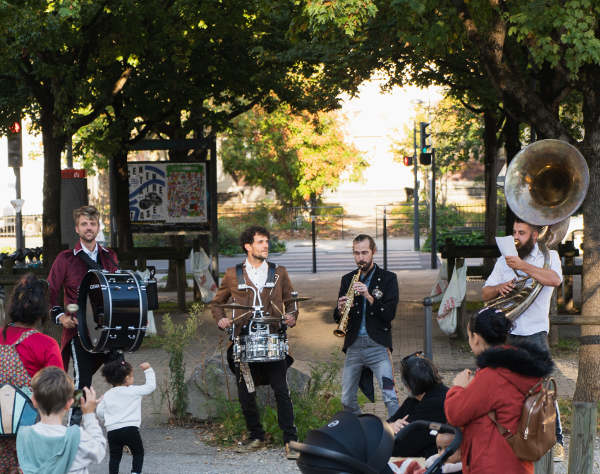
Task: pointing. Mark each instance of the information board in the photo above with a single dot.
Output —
(165, 194)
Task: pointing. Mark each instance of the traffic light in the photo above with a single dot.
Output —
(15, 145)
(425, 157)
(408, 160)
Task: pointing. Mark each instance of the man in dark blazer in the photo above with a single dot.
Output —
(368, 341)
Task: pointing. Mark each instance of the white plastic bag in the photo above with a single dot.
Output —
(437, 293)
(455, 293)
(151, 329)
(200, 263)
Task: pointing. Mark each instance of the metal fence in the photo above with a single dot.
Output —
(302, 216)
(32, 225)
(451, 215)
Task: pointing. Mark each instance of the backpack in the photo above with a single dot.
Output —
(536, 431)
(16, 408)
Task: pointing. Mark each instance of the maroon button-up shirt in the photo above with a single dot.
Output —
(68, 271)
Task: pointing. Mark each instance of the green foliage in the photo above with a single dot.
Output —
(312, 408)
(471, 238)
(296, 155)
(177, 337)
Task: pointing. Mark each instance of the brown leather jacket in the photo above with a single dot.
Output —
(269, 296)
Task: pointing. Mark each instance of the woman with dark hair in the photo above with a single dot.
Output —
(23, 350)
(505, 373)
(425, 403)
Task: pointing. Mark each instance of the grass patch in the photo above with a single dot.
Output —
(171, 306)
(312, 408)
(566, 346)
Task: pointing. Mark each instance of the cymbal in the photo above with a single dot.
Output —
(295, 299)
(233, 306)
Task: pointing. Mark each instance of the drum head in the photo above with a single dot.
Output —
(94, 307)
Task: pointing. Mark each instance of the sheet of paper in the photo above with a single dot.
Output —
(507, 246)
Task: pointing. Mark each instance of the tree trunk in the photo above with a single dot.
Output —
(491, 171)
(513, 146)
(51, 233)
(588, 382)
(124, 234)
(175, 241)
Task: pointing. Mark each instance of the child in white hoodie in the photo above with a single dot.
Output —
(121, 410)
(48, 447)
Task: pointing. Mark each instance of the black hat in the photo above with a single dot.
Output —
(347, 444)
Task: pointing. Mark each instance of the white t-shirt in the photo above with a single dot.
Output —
(122, 406)
(535, 318)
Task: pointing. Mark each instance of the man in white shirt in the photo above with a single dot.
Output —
(533, 325)
(238, 284)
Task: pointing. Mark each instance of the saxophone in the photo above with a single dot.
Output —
(341, 329)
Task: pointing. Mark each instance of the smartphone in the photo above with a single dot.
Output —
(77, 396)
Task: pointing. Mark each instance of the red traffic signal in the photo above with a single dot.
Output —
(15, 145)
(408, 161)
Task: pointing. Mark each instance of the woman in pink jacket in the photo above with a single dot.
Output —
(505, 373)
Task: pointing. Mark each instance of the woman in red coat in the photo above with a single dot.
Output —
(23, 350)
(504, 376)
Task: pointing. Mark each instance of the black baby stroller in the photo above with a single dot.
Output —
(362, 444)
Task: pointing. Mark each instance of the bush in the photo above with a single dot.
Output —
(312, 407)
(472, 238)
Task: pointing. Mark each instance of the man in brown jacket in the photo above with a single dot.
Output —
(255, 243)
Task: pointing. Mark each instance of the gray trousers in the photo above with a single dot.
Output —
(365, 352)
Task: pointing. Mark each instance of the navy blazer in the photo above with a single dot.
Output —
(379, 315)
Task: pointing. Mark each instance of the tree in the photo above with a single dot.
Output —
(64, 63)
(535, 55)
(298, 156)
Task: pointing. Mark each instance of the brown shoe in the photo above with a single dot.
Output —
(254, 445)
(290, 453)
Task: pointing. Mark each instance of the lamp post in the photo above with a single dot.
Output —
(417, 244)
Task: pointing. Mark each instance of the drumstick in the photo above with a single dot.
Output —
(235, 319)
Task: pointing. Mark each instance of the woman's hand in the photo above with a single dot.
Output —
(399, 424)
(463, 379)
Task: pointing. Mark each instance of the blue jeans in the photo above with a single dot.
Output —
(367, 353)
(540, 339)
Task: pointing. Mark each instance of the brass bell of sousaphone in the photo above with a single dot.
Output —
(545, 183)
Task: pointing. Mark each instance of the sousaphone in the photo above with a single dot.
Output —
(545, 183)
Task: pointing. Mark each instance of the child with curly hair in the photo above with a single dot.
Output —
(121, 410)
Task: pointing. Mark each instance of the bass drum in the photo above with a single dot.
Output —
(113, 311)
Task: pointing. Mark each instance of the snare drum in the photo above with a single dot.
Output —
(260, 348)
(113, 311)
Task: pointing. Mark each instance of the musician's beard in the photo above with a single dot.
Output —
(525, 249)
(259, 256)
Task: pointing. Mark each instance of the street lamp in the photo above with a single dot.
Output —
(417, 243)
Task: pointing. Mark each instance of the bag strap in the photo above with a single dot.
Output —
(24, 336)
(90, 263)
(505, 433)
(271, 275)
(239, 271)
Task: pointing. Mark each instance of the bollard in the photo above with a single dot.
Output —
(428, 329)
(314, 242)
(384, 240)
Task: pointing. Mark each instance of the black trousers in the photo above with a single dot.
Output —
(285, 410)
(84, 363)
(128, 436)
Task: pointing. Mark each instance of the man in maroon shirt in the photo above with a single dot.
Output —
(68, 271)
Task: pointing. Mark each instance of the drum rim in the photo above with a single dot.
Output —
(143, 302)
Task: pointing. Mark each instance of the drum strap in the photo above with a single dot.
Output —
(270, 283)
(94, 265)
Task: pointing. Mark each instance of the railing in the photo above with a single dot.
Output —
(32, 225)
(451, 215)
(302, 215)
